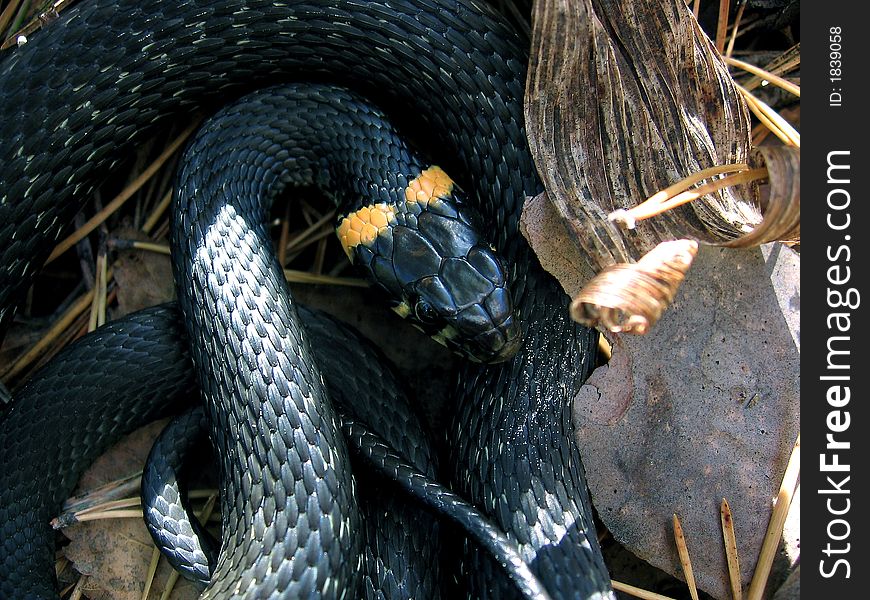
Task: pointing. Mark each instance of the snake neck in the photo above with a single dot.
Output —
(272, 424)
(515, 427)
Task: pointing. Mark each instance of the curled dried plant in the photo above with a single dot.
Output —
(680, 193)
(781, 209)
(631, 297)
(624, 98)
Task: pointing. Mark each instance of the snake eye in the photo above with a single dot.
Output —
(425, 312)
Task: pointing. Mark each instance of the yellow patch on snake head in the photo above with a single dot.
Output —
(433, 183)
(364, 225)
(403, 309)
(448, 332)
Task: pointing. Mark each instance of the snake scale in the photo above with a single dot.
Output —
(108, 74)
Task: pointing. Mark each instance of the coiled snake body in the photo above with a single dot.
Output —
(113, 71)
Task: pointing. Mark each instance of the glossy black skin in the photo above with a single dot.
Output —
(108, 74)
(272, 424)
(435, 264)
(394, 472)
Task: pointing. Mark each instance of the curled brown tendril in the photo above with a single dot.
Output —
(782, 207)
(631, 297)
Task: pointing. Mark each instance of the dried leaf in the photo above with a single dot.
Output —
(116, 553)
(706, 406)
(630, 298)
(144, 278)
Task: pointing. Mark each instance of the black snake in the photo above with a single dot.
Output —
(73, 101)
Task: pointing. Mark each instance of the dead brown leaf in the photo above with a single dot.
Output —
(705, 407)
(144, 278)
(782, 209)
(115, 553)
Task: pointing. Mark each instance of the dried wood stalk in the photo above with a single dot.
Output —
(624, 98)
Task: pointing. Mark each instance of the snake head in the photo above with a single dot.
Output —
(436, 268)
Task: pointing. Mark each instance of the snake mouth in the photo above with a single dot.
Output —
(479, 353)
(502, 344)
(513, 340)
(486, 332)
